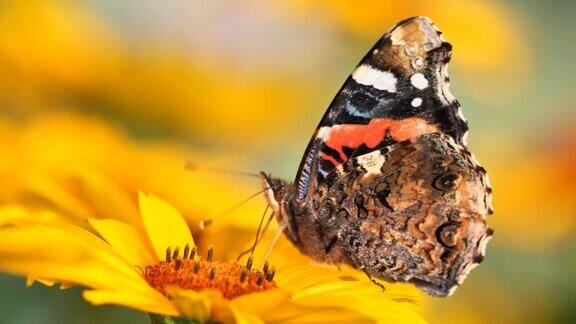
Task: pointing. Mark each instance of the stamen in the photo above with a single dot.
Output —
(168, 254)
(175, 254)
(186, 251)
(249, 263)
(203, 223)
(231, 279)
(193, 253)
(270, 275)
(265, 268)
(210, 254)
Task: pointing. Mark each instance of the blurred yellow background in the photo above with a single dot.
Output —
(101, 98)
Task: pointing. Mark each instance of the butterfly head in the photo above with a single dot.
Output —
(274, 190)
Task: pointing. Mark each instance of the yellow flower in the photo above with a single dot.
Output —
(486, 35)
(72, 53)
(46, 165)
(463, 21)
(153, 266)
(535, 180)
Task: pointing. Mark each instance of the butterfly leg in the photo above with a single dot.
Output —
(259, 235)
(277, 235)
(374, 281)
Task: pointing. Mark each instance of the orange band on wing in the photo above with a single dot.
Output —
(327, 157)
(373, 133)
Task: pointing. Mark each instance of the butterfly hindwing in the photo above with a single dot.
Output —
(398, 91)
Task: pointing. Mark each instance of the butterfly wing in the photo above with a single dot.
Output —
(398, 91)
(414, 212)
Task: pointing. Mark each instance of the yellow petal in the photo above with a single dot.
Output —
(243, 317)
(261, 302)
(65, 285)
(71, 255)
(104, 195)
(191, 303)
(11, 214)
(56, 195)
(30, 280)
(126, 240)
(319, 315)
(210, 305)
(296, 278)
(360, 297)
(151, 305)
(164, 224)
(17, 215)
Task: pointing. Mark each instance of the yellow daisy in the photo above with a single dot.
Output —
(154, 267)
(45, 165)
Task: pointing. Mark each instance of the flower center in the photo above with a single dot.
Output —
(231, 279)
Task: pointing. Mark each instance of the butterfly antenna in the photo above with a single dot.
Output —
(264, 231)
(193, 166)
(260, 233)
(205, 222)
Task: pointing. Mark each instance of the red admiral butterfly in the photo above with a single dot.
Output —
(387, 184)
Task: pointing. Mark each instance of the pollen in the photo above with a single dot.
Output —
(231, 279)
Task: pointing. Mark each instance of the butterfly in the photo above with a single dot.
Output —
(387, 184)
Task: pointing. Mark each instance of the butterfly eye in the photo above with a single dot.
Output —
(445, 181)
(446, 234)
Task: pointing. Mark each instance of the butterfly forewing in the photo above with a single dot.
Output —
(398, 91)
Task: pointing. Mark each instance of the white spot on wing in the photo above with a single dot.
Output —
(372, 162)
(481, 251)
(460, 114)
(381, 80)
(444, 89)
(474, 160)
(465, 272)
(322, 132)
(419, 81)
(397, 37)
(465, 138)
(416, 102)
(451, 291)
(483, 243)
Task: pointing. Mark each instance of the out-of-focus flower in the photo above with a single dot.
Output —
(153, 266)
(533, 189)
(71, 54)
(83, 168)
(68, 45)
(486, 35)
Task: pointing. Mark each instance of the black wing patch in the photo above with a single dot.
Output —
(398, 91)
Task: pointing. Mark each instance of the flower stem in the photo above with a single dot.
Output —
(163, 319)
